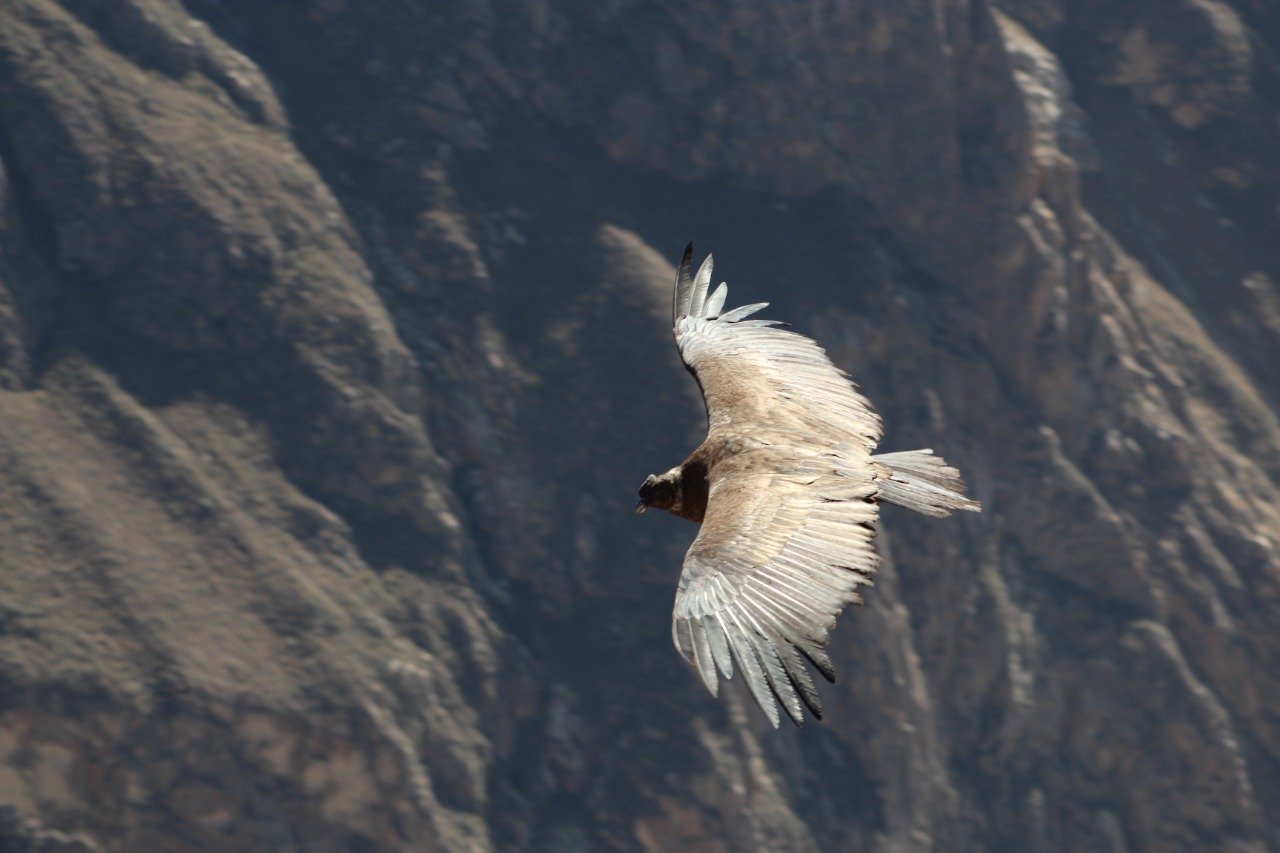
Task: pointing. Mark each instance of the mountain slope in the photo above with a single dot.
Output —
(332, 349)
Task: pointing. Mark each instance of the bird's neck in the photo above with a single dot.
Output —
(692, 490)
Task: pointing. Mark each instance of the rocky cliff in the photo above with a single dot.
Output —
(333, 345)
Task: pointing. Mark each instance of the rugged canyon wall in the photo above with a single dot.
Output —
(333, 345)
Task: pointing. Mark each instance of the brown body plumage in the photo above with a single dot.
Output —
(787, 491)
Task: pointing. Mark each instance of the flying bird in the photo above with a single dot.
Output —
(787, 490)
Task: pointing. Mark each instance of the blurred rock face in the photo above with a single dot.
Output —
(332, 348)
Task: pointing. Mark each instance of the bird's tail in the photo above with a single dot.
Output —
(923, 482)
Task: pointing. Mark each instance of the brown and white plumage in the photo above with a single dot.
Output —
(787, 490)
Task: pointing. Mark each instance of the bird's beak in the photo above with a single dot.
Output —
(641, 506)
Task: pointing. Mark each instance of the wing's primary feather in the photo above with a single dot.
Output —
(742, 311)
(715, 301)
(684, 285)
(701, 282)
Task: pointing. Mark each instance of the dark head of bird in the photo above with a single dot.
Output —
(661, 492)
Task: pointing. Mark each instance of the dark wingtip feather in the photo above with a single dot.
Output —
(801, 682)
(820, 661)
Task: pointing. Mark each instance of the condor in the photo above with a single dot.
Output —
(787, 491)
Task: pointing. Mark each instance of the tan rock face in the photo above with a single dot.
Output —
(333, 347)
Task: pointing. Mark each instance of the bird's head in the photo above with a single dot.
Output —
(660, 491)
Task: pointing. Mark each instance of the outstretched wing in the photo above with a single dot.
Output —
(754, 374)
(784, 546)
(787, 536)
